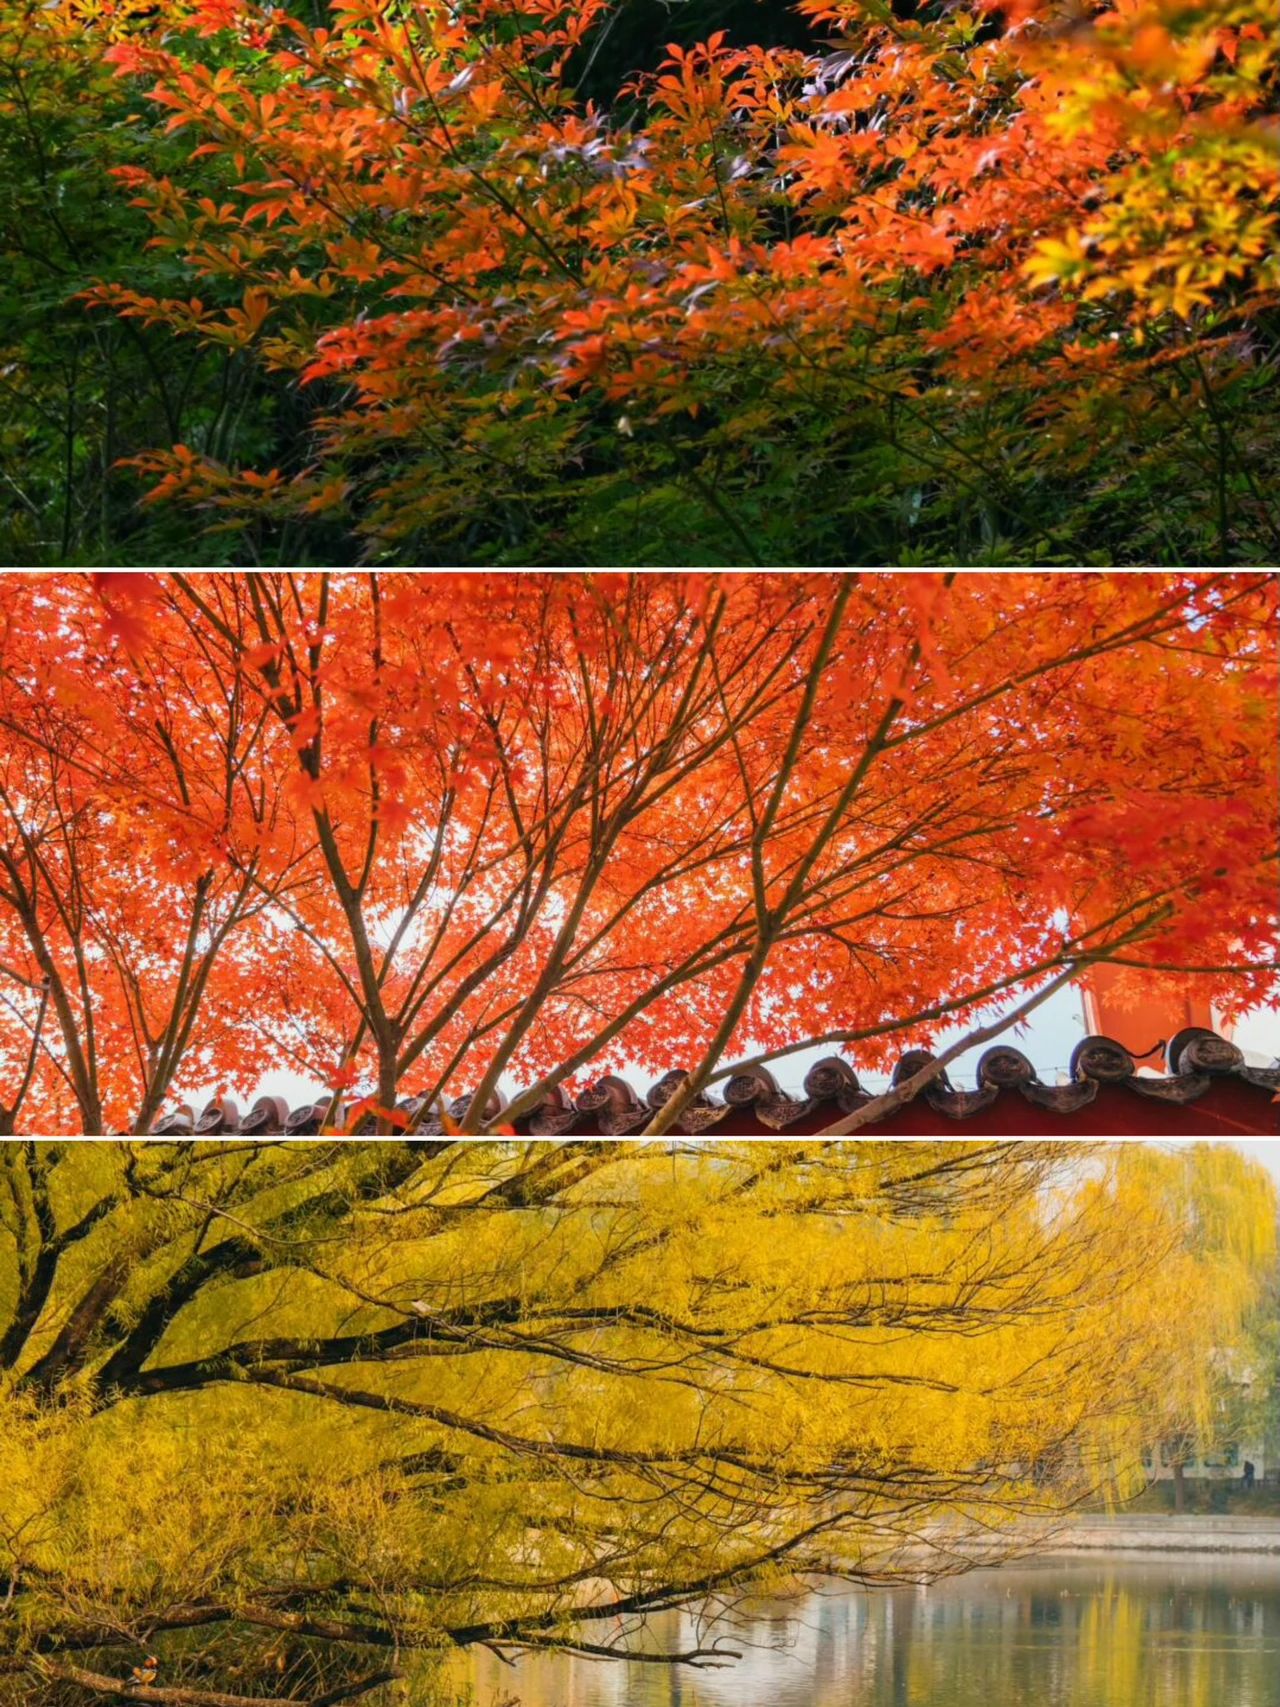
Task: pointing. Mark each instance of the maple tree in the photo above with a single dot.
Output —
(431, 837)
(921, 274)
(304, 1420)
(939, 284)
(80, 392)
(133, 814)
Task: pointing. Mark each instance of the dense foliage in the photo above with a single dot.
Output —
(302, 1420)
(838, 283)
(444, 836)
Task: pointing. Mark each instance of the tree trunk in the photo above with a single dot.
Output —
(387, 1087)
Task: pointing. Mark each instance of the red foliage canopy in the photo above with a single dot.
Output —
(420, 832)
(1057, 200)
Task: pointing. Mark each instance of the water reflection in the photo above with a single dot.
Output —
(1195, 1633)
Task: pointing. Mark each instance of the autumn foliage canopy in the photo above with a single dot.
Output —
(886, 297)
(309, 1422)
(447, 835)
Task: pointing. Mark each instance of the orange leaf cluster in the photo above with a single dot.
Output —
(417, 206)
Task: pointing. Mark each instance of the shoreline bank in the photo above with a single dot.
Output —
(1157, 1533)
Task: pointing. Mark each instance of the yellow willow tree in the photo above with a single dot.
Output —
(302, 1420)
(1229, 1238)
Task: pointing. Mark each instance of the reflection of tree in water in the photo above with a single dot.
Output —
(1190, 1633)
(901, 1649)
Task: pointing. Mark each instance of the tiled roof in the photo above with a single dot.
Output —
(1208, 1090)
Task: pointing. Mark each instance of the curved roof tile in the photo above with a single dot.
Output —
(1209, 1090)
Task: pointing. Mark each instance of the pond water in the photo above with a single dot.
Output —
(1195, 1632)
